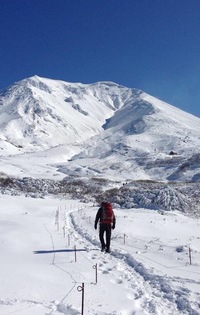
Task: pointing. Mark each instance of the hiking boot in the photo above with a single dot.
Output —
(103, 248)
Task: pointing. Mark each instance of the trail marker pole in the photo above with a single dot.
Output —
(75, 252)
(57, 219)
(95, 267)
(81, 289)
(124, 238)
(58, 225)
(190, 256)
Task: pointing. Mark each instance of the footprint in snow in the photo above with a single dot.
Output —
(116, 281)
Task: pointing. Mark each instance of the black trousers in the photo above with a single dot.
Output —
(105, 229)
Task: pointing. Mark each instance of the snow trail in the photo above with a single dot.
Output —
(43, 276)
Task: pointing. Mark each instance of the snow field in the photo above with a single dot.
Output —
(144, 274)
(156, 248)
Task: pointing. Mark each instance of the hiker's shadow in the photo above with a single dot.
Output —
(59, 251)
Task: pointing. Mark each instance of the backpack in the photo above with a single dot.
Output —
(107, 213)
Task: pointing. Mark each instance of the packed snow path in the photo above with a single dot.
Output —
(45, 258)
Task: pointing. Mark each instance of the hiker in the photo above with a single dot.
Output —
(106, 217)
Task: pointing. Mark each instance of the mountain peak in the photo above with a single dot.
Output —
(121, 129)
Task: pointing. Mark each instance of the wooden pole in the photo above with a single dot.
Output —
(75, 252)
(95, 267)
(124, 238)
(190, 256)
(81, 289)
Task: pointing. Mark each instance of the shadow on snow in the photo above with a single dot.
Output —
(58, 251)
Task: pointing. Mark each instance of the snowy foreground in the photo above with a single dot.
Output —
(45, 265)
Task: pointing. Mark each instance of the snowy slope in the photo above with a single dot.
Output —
(101, 129)
(138, 141)
(148, 270)
(50, 129)
(41, 113)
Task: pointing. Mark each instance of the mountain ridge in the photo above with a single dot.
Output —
(109, 126)
(36, 103)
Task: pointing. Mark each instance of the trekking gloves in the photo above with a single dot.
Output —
(95, 226)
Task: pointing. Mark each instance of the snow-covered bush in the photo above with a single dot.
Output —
(183, 197)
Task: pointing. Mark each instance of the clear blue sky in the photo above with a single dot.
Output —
(153, 45)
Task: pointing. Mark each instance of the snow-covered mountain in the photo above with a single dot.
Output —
(41, 113)
(120, 144)
(101, 129)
